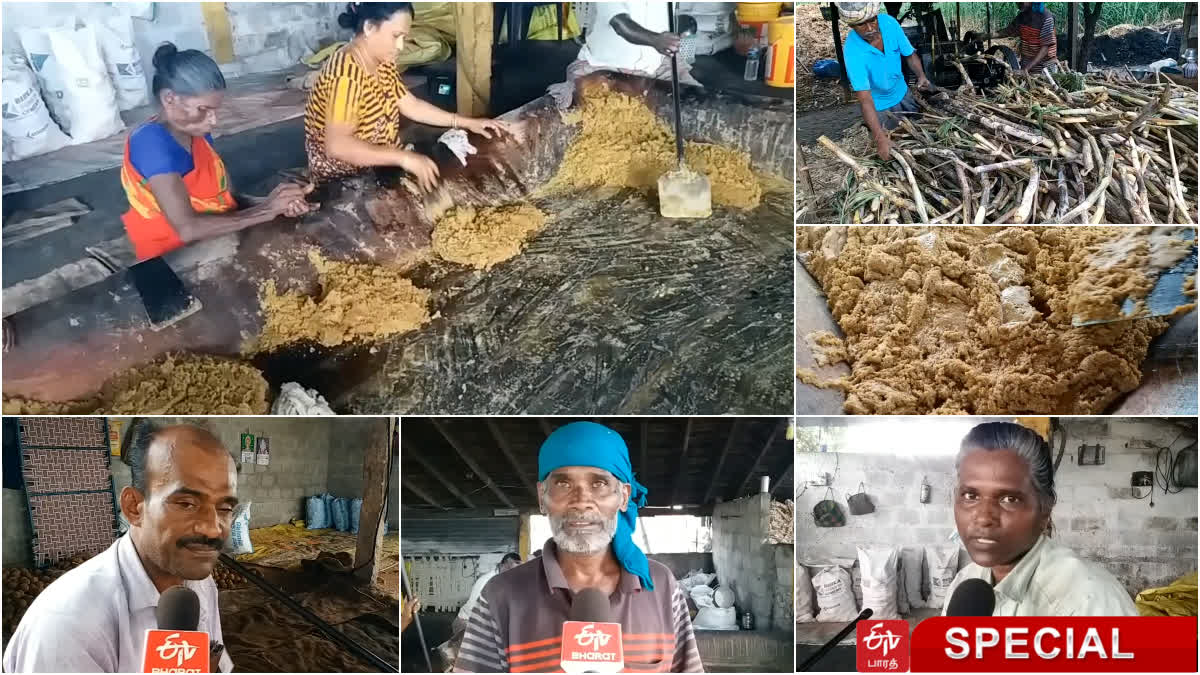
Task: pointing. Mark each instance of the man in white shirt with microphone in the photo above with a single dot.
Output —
(94, 618)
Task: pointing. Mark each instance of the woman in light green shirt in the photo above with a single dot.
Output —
(1002, 506)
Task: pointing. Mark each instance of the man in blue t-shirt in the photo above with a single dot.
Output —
(872, 54)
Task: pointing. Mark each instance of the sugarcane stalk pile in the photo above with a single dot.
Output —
(1067, 148)
(781, 526)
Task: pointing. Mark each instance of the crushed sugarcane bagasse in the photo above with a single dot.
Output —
(971, 320)
(622, 143)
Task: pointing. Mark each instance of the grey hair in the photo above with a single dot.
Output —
(187, 73)
(1028, 445)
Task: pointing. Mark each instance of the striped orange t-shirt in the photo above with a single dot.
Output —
(517, 624)
(345, 93)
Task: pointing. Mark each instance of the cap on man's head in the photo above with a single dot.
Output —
(855, 13)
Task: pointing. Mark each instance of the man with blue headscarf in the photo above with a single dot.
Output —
(1038, 47)
(587, 489)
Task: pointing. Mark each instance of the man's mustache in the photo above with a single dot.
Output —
(216, 544)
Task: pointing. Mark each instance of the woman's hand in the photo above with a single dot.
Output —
(422, 168)
(411, 607)
(486, 128)
(299, 208)
(286, 198)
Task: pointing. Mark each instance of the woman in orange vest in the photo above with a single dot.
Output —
(177, 185)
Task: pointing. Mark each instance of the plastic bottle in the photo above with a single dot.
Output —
(752, 61)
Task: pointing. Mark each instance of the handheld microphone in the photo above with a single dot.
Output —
(176, 646)
(973, 597)
(825, 648)
(178, 609)
(591, 640)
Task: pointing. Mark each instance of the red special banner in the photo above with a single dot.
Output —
(1101, 644)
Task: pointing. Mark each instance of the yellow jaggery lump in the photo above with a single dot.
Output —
(622, 143)
(16, 405)
(929, 329)
(484, 237)
(187, 385)
(177, 385)
(1126, 268)
(357, 302)
(826, 347)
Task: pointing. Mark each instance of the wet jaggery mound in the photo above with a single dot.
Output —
(357, 302)
(178, 385)
(484, 237)
(1126, 268)
(622, 143)
(973, 320)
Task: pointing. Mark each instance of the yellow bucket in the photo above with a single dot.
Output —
(758, 12)
(781, 54)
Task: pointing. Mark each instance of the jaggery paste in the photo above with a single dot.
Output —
(972, 320)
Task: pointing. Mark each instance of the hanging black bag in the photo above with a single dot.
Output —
(859, 503)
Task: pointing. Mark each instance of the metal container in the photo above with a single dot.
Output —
(1189, 66)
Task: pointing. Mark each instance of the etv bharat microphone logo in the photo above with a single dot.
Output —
(1127, 644)
(592, 647)
(176, 652)
(883, 646)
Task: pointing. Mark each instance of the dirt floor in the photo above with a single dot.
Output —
(264, 636)
(826, 173)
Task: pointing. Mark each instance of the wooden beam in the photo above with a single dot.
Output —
(437, 475)
(368, 550)
(782, 424)
(474, 58)
(683, 452)
(468, 460)
(712, 484)
(420, 493)
(643, 439)
(786, 478)
(220, 32)
(506, 450)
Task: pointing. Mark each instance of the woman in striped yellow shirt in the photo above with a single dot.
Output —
(354, 112)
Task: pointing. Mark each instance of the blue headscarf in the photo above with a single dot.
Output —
(591, 444)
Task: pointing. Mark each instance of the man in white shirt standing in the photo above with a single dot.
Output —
(626, 37)
(94, 618)
(1002, 506)
(509, 561)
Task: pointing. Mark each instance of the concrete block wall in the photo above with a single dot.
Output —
(346, 470)
(267, 36)
(300, 452)
(743, 558)
(346, 462)
(1097, 514)
(783, 609)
